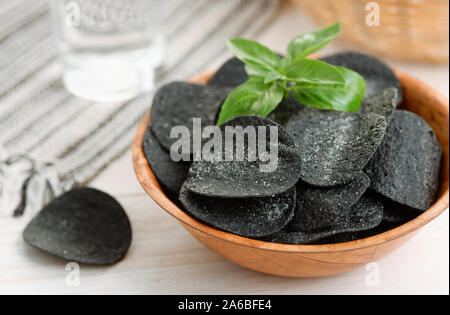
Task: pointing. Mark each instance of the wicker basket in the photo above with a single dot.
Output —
(409, 30)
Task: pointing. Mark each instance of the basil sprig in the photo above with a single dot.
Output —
(271, 78)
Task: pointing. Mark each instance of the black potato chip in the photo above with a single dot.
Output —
(366, 214)
(338, 238)
(287, 109)
(84, 226)
(377, 74)
(250, 217)
(334, 146)
(384, 226)
(383, 103)
(399, 214)
(241, 178)
(395, 213)
(318, 207)
(231, 74)
(353, 236)
(178, 103)
(170, 174)
(405, 168)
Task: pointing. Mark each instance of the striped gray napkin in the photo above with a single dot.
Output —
(51, 141)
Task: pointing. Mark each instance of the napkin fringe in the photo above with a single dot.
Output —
(27, 185)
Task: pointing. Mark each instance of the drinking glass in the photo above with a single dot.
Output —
(110, 49)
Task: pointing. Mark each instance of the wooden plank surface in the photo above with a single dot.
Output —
(165, 259)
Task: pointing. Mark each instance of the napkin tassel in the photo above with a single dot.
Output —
(26, 185)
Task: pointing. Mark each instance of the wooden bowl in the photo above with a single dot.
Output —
(311, 260)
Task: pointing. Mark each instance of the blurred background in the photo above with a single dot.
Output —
(412, 35)
(77, 76)
(411, 30)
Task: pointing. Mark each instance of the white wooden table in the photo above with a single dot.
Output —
(165, 259)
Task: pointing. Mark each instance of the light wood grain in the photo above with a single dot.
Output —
(310, 260)
(165, 259)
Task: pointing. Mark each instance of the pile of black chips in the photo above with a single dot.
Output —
(340, 176)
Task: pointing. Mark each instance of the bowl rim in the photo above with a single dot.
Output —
(150, 184)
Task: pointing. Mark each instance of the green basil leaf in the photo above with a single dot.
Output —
(257, 57)
(252, 98)
(268, 74)
(258, 69)
(273, 76)
(306, 44)
(340, 97)
(314, 71)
